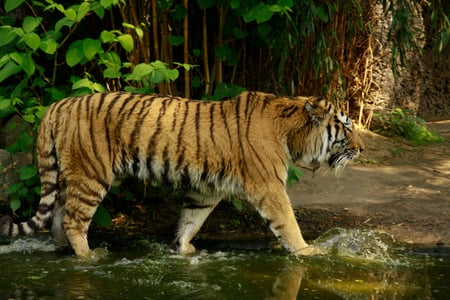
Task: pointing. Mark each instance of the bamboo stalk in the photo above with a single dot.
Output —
(205, 55)
(155, 29)
(219, 69)
(187, 81)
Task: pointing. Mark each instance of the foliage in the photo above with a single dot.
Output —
(403, 123)
(43, 59)
(207, 49)
(294, 174)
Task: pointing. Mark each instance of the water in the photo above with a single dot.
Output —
(360, 265)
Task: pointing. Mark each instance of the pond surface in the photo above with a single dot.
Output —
(360, 265)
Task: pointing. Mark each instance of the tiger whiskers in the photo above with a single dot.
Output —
(339, 160)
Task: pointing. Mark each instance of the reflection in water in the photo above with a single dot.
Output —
(148, 270)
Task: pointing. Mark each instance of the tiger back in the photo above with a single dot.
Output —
(240, 146)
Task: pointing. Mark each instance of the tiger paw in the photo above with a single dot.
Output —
(309, 251)
(185, 249)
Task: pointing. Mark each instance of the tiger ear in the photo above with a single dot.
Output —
(318, 110)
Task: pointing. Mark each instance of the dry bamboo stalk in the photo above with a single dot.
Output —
(155, 29)
(205, 55)
(219, 71)
(187, 81)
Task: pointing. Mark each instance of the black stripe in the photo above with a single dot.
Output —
(182, 125)
(287, 112)
(21, 229)
(166, 160)
(197, 130)
(43, 209)
(190, 203)
(225, 123)
(33, 225)
(212, 108)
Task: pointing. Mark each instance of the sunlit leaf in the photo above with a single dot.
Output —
(74, 54)
(91, 48)
(107, 36)
(32, 40)
(29, 24)
(83, 9)
(126, 41)
(111, 73)
(49, 46)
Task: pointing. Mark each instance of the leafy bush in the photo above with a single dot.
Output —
(43, 59)
(403, 123)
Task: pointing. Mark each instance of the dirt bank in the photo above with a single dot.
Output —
(395, 187)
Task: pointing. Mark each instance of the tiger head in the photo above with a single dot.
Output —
(330, 136)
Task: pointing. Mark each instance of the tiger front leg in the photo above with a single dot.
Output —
(196, 209)
(275, 207)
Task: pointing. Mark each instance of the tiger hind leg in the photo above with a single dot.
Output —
(57, 228)
(196, 209)
(84, 195)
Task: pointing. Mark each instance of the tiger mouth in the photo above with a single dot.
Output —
(340, 159)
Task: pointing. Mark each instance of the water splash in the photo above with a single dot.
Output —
(355, 243)
(28, 245)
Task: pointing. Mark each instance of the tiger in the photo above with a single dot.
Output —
(240, 147)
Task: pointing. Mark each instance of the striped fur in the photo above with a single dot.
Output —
(239, 147)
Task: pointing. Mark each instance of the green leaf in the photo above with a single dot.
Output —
(71, 14)
(141, 70)
(32, 40)
(91, 47)
(172, 75)
(139, 31)
(8, 70)
(157, 77)
(82, 83)
(64, 22)
(111, 59)
(29, 119)
(106, 3)
(83, 9)
(126, 41)
(112, 73)
(227, 90)
(74, 54)
(49, 46)
(239, 33)
(12, 4)
(5, 104)
(107, 36)
(14, 205)
(7, 35)
(264, 14)
(22, 143)
(28, 64)
(322, 13)
(27, 172)
(102, 217)
(29, 24)
(176, 40)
